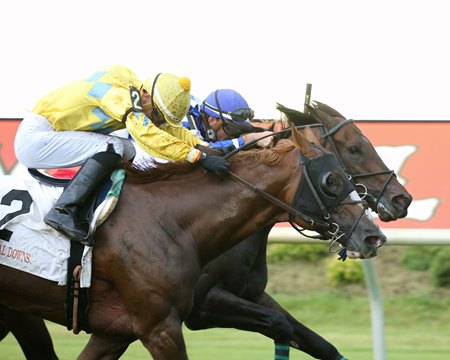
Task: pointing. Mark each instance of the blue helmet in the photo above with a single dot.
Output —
(227, 104)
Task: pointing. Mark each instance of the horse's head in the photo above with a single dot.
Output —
(375, 182)
(326, 195)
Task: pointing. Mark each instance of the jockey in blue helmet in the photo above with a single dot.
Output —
(223, 120)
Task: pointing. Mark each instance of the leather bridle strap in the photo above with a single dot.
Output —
(323, 209)
(294, 212)
(326, 134)
(347, 238)
(386, 183)
(329, 133)
(337, 127)
(252, 142)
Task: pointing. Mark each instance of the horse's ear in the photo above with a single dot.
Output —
(320, 116)
(309, 133)
(301, 142)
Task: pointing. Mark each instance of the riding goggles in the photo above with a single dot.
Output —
(239, 115)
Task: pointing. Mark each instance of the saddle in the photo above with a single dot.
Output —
(97, 209)
(101, 203)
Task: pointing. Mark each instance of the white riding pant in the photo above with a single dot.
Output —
(38, 145)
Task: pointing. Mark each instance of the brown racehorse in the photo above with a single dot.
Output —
(236, 297)
(149, 253)
(358, 155)
(385, 195)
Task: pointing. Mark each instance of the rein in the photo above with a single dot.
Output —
(253, 142)
(324, 226)
(292, 211)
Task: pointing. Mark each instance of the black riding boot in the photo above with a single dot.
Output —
(64, 215)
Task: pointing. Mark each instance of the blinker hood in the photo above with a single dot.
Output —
(314, 196)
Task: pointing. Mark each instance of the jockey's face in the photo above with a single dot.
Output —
(151, 110)
(217, 126)
(214, 123)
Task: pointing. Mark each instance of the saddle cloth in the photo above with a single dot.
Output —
(30, 245)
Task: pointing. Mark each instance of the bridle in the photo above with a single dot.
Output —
(327, 136)
(322, 223)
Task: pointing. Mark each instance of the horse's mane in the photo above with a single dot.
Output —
(153, 171)
(295, 116)
(328, 110)
(269, 156)
(318, 113)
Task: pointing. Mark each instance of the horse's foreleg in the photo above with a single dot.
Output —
(303, 339)
(4, 330)
(165, 340)
(4, 326)
(30, 332)
(223, 309)
(103, 347)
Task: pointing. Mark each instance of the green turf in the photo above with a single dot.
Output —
(417, 328)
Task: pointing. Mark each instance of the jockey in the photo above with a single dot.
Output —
(222, 119)
(224, 130)
(71, 125)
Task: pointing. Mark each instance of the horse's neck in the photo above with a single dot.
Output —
(202, 215)
(238, 212)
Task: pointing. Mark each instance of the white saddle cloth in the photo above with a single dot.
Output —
(33, 246)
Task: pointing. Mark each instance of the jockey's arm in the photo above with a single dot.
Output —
(167, 142)
(232, 144)
(265, 142)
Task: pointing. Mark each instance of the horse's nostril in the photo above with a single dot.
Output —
(402, 201)
(374, 241)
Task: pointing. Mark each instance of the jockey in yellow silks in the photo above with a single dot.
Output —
(71, 125)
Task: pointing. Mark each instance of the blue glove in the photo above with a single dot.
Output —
(218, 165)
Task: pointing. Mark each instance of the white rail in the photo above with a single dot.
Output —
(421, 237)
(286, 234)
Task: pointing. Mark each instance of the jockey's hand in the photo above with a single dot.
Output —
(264, 143)
(218, 165)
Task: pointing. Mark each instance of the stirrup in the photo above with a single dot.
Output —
(57, 221)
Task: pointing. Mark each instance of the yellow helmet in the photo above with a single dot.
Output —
(171, 95)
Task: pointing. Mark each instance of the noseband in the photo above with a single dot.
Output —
(314, 197)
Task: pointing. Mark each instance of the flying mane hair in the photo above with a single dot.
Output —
(154, 170)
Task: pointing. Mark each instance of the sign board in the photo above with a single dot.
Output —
(416, 150)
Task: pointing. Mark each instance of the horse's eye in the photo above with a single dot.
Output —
(331, 184)
(331, 181)
(353, 149)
